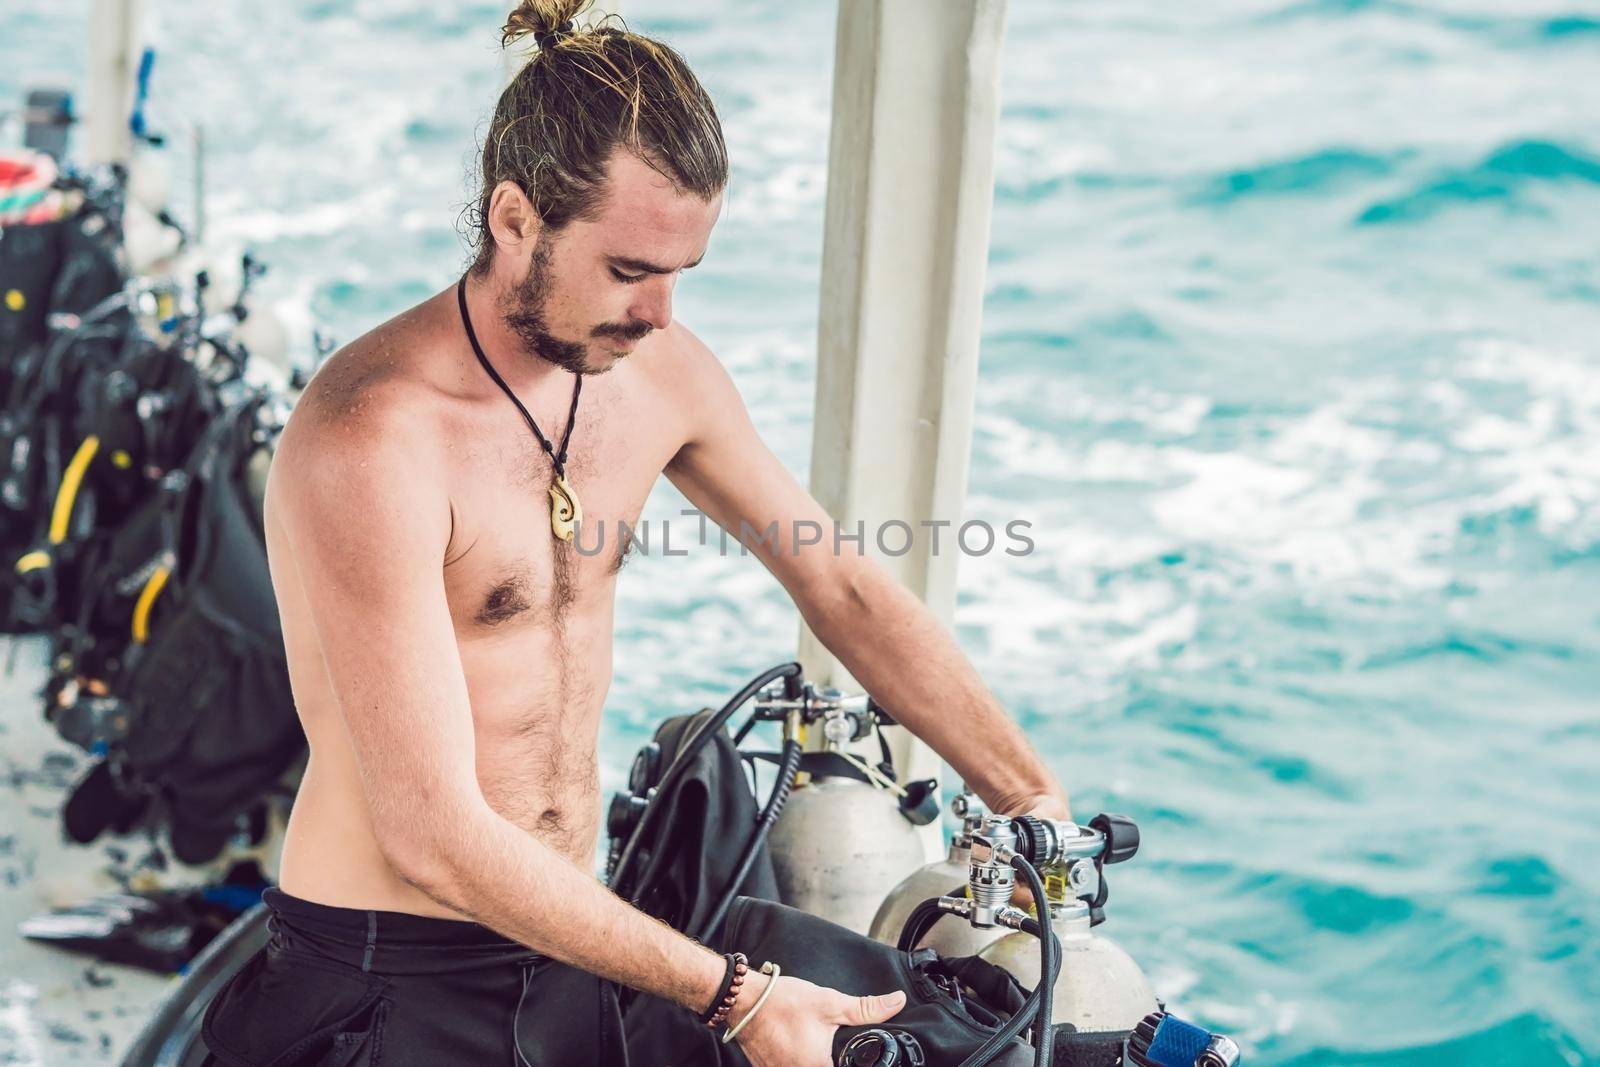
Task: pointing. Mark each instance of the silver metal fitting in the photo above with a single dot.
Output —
(990, 878)
(1221, 1052)
(837, 730)
(970, 812)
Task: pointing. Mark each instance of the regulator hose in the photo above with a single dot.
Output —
(1036, 1008)
(921, 920)
(1044, 1037)
(788, 768)
(680, 764)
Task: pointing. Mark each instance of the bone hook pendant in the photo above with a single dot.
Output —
(565, 513)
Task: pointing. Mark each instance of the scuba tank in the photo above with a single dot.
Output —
(848, 833)
(1100, 987)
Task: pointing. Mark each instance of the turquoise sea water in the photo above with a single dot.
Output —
(1290, 356)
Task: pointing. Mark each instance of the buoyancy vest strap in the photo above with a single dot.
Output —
(33, 561)
(71, 482)
(147, 600)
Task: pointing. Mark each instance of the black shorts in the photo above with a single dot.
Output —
(341, 987)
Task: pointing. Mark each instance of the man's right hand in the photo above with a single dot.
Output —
(795, 1027)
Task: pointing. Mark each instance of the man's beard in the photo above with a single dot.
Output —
(524, 308)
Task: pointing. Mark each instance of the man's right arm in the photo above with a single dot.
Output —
(363, 503)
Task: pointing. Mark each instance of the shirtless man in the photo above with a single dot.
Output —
(450, 653)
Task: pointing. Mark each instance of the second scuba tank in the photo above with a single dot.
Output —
(1100, 987)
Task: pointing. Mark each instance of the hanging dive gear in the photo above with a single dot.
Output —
(130, 532)
(215, 719)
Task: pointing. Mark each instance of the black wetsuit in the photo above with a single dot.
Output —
(341, 987)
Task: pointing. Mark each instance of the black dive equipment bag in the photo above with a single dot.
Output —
(947, 1018)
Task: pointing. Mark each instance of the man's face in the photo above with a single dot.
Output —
(596, 289)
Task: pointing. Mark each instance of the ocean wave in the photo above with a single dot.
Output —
(1324, 9)
(1571, 279)
(1480, 645)
(1501, 177)
(1564, 27)
(1527, 1040)
(1524, 875)
(1315, 173)
(1503, 30)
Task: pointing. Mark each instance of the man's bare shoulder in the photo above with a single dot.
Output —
(374, 408)
(389, 372)
(684, 366)
(684, 377)
(686, 372)
(680, 354)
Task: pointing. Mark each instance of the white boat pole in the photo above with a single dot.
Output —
(906, 238)
(115, 46)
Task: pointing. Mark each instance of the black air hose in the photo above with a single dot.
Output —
(788, 768)
(1036, 1009)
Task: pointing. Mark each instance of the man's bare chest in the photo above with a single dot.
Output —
(505, 568)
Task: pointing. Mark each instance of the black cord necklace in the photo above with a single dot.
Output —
(565, 514)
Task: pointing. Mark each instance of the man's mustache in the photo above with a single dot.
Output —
(632, 331)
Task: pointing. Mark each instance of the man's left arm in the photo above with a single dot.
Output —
(887, 638)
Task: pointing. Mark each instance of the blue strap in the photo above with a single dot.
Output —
(1177, 1043)
(141, 92)
(236, 898)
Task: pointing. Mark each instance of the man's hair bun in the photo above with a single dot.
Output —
(542, 19)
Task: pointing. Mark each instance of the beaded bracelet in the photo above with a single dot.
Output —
(728, 991)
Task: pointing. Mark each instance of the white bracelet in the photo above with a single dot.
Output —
(766, 968)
